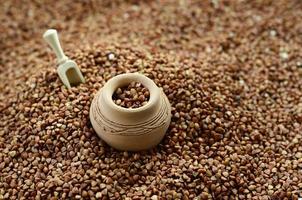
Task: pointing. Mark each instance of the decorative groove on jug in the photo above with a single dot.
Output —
(130, 130)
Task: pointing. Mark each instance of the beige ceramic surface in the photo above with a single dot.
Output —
(130, 129)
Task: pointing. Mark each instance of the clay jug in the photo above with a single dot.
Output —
(130, 129)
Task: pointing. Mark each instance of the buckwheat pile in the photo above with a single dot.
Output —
(134, 95)
(232, 71)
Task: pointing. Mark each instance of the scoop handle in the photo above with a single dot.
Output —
(52, 38)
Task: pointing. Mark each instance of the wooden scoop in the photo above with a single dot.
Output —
(68, 70)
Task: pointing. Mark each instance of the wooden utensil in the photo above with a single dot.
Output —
(68, 70)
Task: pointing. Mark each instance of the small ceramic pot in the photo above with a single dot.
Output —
(130, 129)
